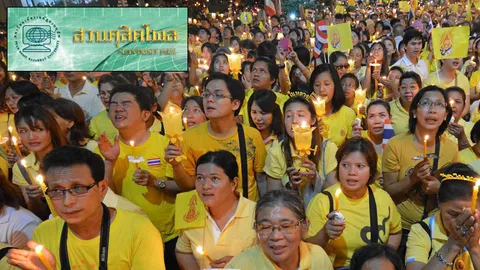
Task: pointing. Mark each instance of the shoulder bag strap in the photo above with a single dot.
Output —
(434, 168)
(374, 237)
(330, 200)
(243, 159)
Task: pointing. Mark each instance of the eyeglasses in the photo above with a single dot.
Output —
(427, 104)
(215, 96)
(77, 191)
(346, 66)
(285, 228)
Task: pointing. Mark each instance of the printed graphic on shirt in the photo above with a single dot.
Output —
(381, 228)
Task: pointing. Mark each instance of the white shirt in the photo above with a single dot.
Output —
(87, 98)
(16, 226)
(420, 68)
(398, 39)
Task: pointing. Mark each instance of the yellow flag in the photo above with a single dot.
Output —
(476, 3)
(339, 37)
(454, 7)
(450, 42)
(261, 26)
(414, 5)
(351, 3)
(246, 17)
(404, 6)
(189, 211)
(340, 9)
(469, 11)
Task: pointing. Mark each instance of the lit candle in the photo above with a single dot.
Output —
(351, 65)
(14, 77)
(84, 78)
(4, 143)
(376, 66)
(132, 145)
(14, 140)
(451, 101)
(425, 146)
(194, 21)
(312, 42)
(235, 63)
(360, 96)
(359, 106)
(185, 123)
(303, 137)
(280, 36)
(172, 121)
(189, 20)
(24, 164)
(214, 15)
(474, 196)
(319, 105)
(38, 251)
(39, 180)
(337, 198)
(201, 252)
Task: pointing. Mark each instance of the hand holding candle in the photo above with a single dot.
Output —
(360, 96)
(132, 145)
(15, 143)
(4, 143)
(319, 105)
(425, 146)
(24, 164)
(337, 198)
(38, 251)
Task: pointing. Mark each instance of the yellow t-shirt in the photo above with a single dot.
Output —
(133, 244)
(467, 127)
(158, 205)
(4, 167)
(397, 157)
(101, 123)
(366, 135)
(281, 99)
(399, 117)
(276, 164)
(474, 80)
(338, 126)
(237, 236)
(467, 156)
(311, 257)
(198, 141)
(34, 170)
(357, 229)
(460, 81)
(4, 265)
(419, 243)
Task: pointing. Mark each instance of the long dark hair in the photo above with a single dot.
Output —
(338, 98)
(317, 139)
(266, 100)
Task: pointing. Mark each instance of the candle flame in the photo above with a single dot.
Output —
(23, 162)
(478, 183)
(200, 250)
(337, 192)
(10, 129)
(185, 120)
(303, 125)
(473, 58)
(84, 78)
(451, 102)
(14, 140)
(39, 179)
(38, 249)
(426, 137)
(172, 109)
(132, 143)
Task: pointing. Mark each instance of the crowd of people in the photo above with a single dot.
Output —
(367, 158)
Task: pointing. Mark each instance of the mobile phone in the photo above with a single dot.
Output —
(286, 44)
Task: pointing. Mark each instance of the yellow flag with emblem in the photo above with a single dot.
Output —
(340, 9)
(450, 42)
(189, 211)
(262, 27)
(404, 6)
(339, 37)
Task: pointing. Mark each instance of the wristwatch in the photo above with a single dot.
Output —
(160, 184)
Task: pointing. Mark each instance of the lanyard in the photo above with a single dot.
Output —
(104, 235)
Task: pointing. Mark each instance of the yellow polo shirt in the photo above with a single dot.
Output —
(357, 229)
(276, 164)
(133, 244)
(311, 257)
(460, 81)
(101, 123)
(198, 141)
(399, 117)
(397, 157)
(419, 243)
(467, 127)
(159, 205)
(338, 126)
(281, 99)
(237, 236)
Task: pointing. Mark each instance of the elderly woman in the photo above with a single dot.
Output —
(281, 224)
(228, 227)
(449, 238)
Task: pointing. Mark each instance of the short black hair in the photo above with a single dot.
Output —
(379, 102)
(24, 88)
(37, 98)
(353, 77)
(411, 35)
(411, 75)
(475, 133)
(67, 156)
(338, 99)
(234, 87)
(457, 90)
(140, 93)
(372, 251)
(363, 146)
(223, 159)
(273, 68)
(451, 190)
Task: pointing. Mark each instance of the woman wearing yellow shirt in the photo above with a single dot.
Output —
(284, 165)
(219, 64)
(265, 115)
(409, 85)
(471, 155)
(281, 224)
(357, 167)
(449, 239)
(101, 123)
(338, 118)
(193, 111)
(40, 133)
(228, 229)
(458, 128)
(378, 55)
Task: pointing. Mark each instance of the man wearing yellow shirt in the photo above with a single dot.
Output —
(141, 173)
(87, 234)
(409, 85)
(222, 100)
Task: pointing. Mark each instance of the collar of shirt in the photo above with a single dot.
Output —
(5, 218)
(83, 91)
(438, 231)
(399, 106)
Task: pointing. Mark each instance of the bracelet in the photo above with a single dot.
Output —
(442, 259)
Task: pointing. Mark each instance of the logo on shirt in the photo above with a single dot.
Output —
(153, 162)
(381, 228)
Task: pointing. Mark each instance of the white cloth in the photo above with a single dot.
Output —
(398, 39)
(87, 98)
(420, 68)
(16, 226)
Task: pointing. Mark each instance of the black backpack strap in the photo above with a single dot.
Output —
(243, 159)
(24, 173)
(374, 237)
(4, 251)
(429, 233)
(330, 200)
(434, 168)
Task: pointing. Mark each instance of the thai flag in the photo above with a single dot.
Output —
(320, 38)
(388, 132)
(153, 162)
(270, 8)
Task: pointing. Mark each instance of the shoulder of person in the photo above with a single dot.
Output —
(252, 132)
(49, 228)
(23, 215)
(347, 111)
(195, 131)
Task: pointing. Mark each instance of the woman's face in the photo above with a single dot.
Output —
(451, 210)
(452, 64)
(236, 47)
(431, 110)
(306, 33)
(260, 75)
(285, 31)
(357, 56)
(247, 73)
(408, 90)
(193, 113)
(263, 120)
(298, 77)
(376, 116)
(348, 86)
(213, 185)
(390, 48)
(36, 139)
(178, 85)
(293, 36)
(221, 64)
(324, 86)
(341, 65)
(227, 33)
(394, 75)
(11, 99)
(377, 52)
(259, 38)
(355, 38)
(279, 246)
(354, 172)
(207, 54)
(458, 104)
(104, 92)
(295, 114)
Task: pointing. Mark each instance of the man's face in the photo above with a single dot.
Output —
(414, 48)
(73, 76)
(75, 209)
(125, 112)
